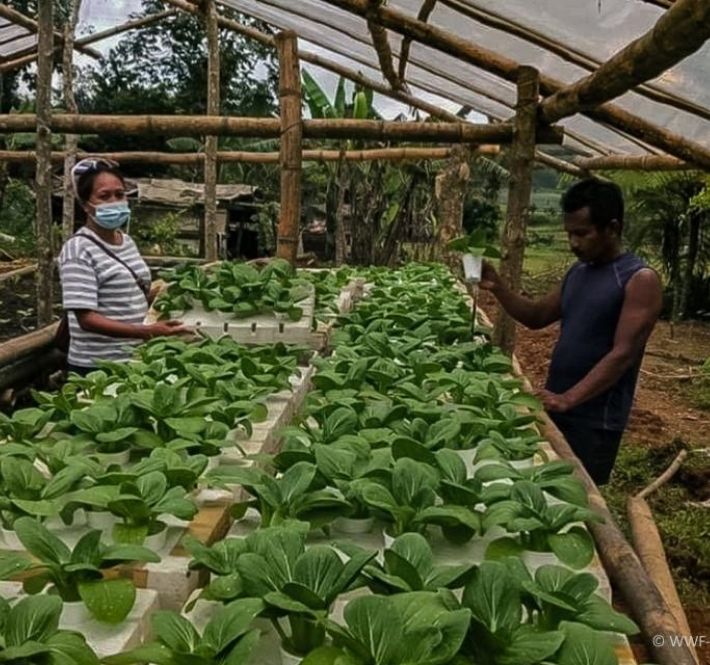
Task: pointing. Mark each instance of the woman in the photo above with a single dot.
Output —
(105, 282)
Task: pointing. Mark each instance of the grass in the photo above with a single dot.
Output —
(684, 527)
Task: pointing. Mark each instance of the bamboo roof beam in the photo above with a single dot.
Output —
(679, 32)
(92, 39)
(18, 18)
(634, 163)
(402, 154)
(499, 22)
(506, 68)
(424, 13)
(562, 165)
(383, 50)
(185, 125)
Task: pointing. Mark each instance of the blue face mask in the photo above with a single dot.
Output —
(112, 216)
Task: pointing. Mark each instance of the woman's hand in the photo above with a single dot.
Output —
(166, 328)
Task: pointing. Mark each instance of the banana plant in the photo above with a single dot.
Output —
(418, 627)
(227, 639)
(75, 575)
(31, 636)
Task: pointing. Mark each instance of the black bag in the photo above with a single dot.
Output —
(62, 337)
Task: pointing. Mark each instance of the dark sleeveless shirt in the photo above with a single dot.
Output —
(592, 297)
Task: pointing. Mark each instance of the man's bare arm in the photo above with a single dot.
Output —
(534, 314)
(643, 301)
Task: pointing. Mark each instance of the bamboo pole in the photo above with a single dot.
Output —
(24, 345)
(212, 141)
(519, 192)
(680, 31)
(16, 63)
(506, 68)
(649, 546)
(43, 174)
(71, 141)
(562, 165)
(636, 163)
(370, 130)
(424, 13)
(18, 18)
(647, 605)
(495, 20)
(383, 50)
(196, 158)
(291, 140)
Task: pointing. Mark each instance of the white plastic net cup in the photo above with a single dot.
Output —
(472, 266)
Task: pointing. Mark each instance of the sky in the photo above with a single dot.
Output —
(103, 14)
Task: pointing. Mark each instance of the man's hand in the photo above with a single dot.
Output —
(554, 402)
(490, 279)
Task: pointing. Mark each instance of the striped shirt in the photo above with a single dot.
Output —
(94, 281)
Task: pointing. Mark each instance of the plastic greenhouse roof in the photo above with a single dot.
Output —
(15, 40)
(592, 29)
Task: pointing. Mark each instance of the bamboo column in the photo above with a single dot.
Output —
(43, 178)
(450, 194)
(212, 141)
(71, 141)
(519, 190)
(383, 50)
(290, 148)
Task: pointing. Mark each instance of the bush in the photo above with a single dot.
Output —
(17, 219)
(162, 232)
(481, 214)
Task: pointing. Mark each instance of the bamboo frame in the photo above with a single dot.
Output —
(291, 142)
(505, 68)
(18, 18)
(347, 73)
(194, 158)
(519, 197)
(680, 31)
(43, 173)
(370, 130)
(428, 67)
(639, 163)
(92, 39)
(499, 22)
(212, 141)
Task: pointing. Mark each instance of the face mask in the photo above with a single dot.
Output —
(112, 215)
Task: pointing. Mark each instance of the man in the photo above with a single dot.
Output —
(608, 303)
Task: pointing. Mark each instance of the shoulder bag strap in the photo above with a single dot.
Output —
(144, 289)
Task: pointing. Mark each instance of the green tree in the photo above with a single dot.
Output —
(162, 69)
